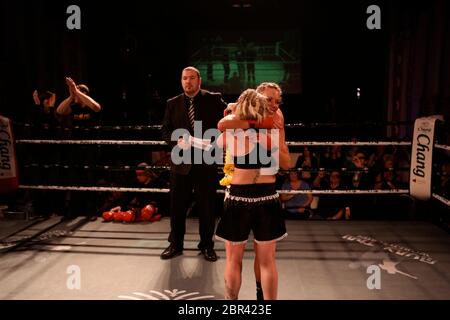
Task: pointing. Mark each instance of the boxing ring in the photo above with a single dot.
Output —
(79, 259)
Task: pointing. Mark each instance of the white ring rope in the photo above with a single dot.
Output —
(220, 167)
(104, 142)
(102, 189)
(349, 143)
(160, 190)
(299, 125)
(162, 143)
(441, 199)
(442, 146)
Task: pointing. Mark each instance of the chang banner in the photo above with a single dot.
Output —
(422, 157)
(9, 181)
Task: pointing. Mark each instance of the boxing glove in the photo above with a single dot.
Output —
(108, 216)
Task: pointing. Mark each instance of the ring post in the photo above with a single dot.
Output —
(422, 157)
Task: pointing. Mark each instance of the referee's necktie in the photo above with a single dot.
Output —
(191, 112)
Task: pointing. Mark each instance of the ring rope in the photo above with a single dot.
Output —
(350, 143)
(134, 168)
(442, 147)
(93, 142)
(106, 167)
(163, 143)
(441, 199)
(158, 127)
(165, 190)
(90, 128)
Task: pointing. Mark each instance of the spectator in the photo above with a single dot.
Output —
(145, 178)
(333, 206)
(387, 178)
(79, 105)
(308, 162)
(403, 160)
(296, 205)
(44, 111)
(43, 126)
(79, 109)
(362, 180)
(376, 159)
(331, 158)
(391, 206)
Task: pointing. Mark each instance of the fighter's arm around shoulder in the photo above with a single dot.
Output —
(278, 121)
(273, 141)
(225, 139)
(231, 122)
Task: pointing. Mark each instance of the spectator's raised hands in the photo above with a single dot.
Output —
(52, 100)
(36, 98)
(72, 86)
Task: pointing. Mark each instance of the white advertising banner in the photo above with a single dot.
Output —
(422, 157)
(9, 181)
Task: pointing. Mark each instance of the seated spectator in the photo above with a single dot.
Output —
(296, 206)
(145, 178)
(390, 206)
(331, 158)
(388, 178)
(307, 161)
(349, 152)
(376, 160)
(362, 180)
(333, 206)
(403, 161)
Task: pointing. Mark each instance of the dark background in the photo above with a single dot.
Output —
(131, 53)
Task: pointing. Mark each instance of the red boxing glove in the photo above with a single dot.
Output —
(265, 123)
(147, 212)
(108, 216)
(128, 216)
(118, 216)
